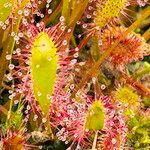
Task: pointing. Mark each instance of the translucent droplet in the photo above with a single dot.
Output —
(47, 5)
(76, 49)
(72, 86)
(37, 66)
(1, 23)
(26, 112)
(66, 142)
(4, 27)
(103, 86)
(62, 28)
(49, 1)
(26, 12)
(79, 35)
(8, 57)
(16, 102)
(82, 63)
(11, 96)
(62, 18)
(49, 11)
(78, 147)
(39, 93)
(78, 22)
(76, 55)
(69, 30)
(10, 91)
(8, 4)
(20, 34)
(84, 26)
(100, 42)
(48, 96)
(20, 12)
(35, 117)
(113, 141)
(49, 59)
(42, 15)
(28, 107)
(73, 61)
(9, 77)
(88, 16)
(16, 38)
(12, 33)
(7, 22)
(64, 42)
(44, 120)
(19, 74)
(11, 66)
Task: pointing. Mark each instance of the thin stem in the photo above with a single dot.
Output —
(137, 85)
(9, 114)
(3, 110)
(6, 86)
(85, 40)
(77, 13)
(95, 141)
(142, 72)
(66, 10)
(47, 19)
(146, 35)
(8, 47)
(73, 41)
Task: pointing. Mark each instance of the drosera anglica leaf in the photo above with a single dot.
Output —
(95, 117)
(110, 10)
(44, 64)
(126, 95)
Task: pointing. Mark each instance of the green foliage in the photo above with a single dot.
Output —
(110, 10)
(126, 95)
(95, 117)
(139, 136)
(17, 117)
(44, 64)
(92, 40)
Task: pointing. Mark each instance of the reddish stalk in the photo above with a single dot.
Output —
(137, 85)
(146, 35)
(47, 19)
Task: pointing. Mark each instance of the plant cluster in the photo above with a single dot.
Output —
(74, 74)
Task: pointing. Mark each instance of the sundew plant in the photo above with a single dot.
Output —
(74, 74)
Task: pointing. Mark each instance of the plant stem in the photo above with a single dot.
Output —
(142, 72)
(137, 85)
(9, 43)
(47, 19)
(3, 110)
(77, 13)
(146, 35)
(95, 141)
(66, 10)
(8, 46)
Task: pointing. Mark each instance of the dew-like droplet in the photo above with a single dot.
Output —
(8, 57)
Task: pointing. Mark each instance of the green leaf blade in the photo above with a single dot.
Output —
(44, 64)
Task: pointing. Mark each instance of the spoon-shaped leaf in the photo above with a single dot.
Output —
(44, 63)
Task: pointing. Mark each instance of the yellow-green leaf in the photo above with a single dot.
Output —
(44, 63)
(95, 117)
